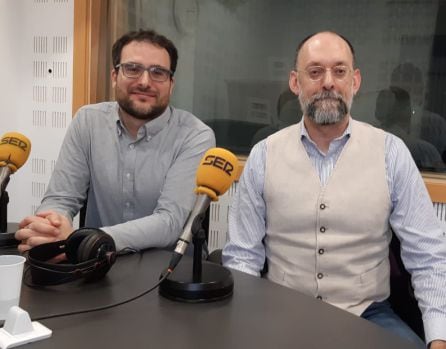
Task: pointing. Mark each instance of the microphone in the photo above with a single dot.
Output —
(215, 174)
(201, 281)
(14, 151)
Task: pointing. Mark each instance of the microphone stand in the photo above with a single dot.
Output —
(4, 200)
(201, 281)
(6, 239)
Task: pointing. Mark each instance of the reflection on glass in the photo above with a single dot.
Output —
(235, 57)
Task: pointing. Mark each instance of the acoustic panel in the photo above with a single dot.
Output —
(40, 65)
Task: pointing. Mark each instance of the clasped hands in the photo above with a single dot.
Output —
(44, 227)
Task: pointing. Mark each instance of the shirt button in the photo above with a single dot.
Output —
(322, 229)
(127, 204)
(322, 206)
(128, 175)
(319, 297)
(131, 146)
(321, 251)
(320, 275)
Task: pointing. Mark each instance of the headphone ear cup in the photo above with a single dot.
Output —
(98, 247)
(92, 247)
(74, 241)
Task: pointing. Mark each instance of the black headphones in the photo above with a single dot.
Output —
(90, 253)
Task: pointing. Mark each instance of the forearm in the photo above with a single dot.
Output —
(422, 237)
(68, 207)
(160, 230)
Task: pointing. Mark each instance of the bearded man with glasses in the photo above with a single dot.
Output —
(133, 160)
(317, 200)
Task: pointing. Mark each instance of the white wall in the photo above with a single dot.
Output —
(36, 37)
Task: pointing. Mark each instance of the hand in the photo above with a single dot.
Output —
(437, 344)
(45, 227)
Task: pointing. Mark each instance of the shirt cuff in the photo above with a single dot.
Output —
(434, 328)
(241, 267)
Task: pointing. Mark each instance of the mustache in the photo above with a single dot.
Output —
(323, 95)
(143, 90)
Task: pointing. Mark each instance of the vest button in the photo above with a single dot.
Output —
(320, 275)
(319, 297)
(322, 206)
(321, 251)
(322, 229)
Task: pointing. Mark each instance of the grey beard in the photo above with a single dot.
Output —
(325, 108)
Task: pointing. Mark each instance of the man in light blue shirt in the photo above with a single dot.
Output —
(299, 204)
(134, 159)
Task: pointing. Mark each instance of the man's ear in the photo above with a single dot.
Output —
(114, 77)
(172, 85)
(356, 80)
(293, 82)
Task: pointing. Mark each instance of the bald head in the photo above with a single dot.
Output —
(325, 79)
(323, 38)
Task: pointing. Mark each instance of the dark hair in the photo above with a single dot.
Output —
(325, 31)
(149, 36)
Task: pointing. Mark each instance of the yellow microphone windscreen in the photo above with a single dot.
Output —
(216, 172)
(14, 150)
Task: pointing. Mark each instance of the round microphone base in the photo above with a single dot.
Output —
(216, 283)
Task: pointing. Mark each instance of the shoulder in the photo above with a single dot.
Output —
(189, 130)
(284, 135)
(97, 113)
(186, 131)
(368, 128)
(186, 120)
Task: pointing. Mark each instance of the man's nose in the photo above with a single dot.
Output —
(328, 80)
(144, 79)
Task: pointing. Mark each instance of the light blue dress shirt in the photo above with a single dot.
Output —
(412, 217)
(140, 191)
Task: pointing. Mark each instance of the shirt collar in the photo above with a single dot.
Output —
(304, 132)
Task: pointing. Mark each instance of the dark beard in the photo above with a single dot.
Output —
(323, 114)
(130, 109)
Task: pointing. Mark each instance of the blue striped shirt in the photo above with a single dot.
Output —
(412, 217)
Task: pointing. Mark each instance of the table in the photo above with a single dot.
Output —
(260, 314)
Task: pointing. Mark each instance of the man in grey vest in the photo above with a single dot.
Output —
(317, 201)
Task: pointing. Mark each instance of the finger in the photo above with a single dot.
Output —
(59, 258)
(23, 247)
(43, 228)
(26, 233)
(38, 240)
(31, 219)
(53, 217)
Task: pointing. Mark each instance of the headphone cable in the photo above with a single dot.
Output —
(164, 277)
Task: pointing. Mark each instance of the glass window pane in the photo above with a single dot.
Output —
(235, 57)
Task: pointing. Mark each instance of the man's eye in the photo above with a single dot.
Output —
(133, 69)
(314, 72)
(340, 71)
(158, 72)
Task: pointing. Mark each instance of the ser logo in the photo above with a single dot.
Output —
(14, 141)
(216, 161)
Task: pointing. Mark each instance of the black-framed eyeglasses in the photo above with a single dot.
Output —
(135, 70)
